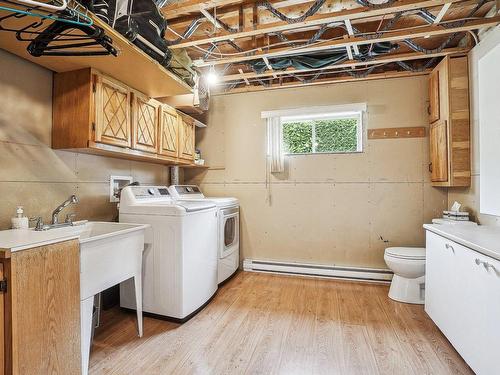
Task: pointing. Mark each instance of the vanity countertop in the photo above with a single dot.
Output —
(484, 239)
(20, 239)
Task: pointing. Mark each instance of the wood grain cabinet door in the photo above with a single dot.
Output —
(112, 112)
(169, 132)
(145, 123)
(438, 139)
(45, 287)
(186, 139)
(434, 96)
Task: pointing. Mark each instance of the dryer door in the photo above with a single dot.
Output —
(229, 231)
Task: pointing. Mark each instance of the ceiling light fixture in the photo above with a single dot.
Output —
(211, 76)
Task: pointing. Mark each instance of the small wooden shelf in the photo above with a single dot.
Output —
(132, 66)
(195, 166)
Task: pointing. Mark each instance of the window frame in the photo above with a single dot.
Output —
(358, 114)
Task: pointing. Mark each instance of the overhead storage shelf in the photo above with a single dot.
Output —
(132, 66)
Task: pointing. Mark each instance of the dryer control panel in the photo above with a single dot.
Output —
(185, 192)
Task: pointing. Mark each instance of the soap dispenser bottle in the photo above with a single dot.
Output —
(20, 221)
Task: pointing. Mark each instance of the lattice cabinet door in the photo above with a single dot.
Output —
(112, 112)
(169, 132)
(186, 138)
(145, 123)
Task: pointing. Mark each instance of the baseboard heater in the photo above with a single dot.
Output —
(318, 270)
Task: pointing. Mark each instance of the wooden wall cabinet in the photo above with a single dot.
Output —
(40, 310)
(169, 132)
(186, 138)
(112, 112)
(145, 123)
(449, 135)
(96, 114)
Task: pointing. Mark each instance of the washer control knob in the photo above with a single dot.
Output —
(151, 191)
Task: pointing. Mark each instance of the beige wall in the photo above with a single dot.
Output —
(469, 197)
(34, 175)
(328, 209)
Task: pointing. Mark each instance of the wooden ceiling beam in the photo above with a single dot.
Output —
(393, 36)
(349, 64)
(317, 19)
(172, 11)
(324, 81)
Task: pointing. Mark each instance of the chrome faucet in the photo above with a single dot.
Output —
(55, 214)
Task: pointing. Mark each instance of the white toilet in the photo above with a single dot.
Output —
(408, 265)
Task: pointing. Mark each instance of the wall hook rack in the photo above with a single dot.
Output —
(390, 133)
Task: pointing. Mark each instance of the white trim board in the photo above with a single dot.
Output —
(319, 270)
(342, 108)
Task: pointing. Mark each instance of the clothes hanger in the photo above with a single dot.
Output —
(48, 6)
(67, 14)
(53, 41)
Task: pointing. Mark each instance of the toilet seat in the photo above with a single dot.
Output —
(409, 253)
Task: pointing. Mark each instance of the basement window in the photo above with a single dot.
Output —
(322, 133)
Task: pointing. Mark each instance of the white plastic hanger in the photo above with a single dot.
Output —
(33, 3)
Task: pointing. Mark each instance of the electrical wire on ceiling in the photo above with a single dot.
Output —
(267, 5)
(311, 11)
(298, 76)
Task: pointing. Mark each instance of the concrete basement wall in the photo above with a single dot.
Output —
(470, 196)
(34, 175)
(326, 209)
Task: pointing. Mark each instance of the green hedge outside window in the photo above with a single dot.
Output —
(321, 136)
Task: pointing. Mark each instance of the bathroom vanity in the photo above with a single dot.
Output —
(463, 290)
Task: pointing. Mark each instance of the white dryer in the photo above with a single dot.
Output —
(180, 268)
(228, 227)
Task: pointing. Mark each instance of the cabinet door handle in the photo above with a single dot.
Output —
(486, 264)
(448, 246)
(489, 265)
(430, 167)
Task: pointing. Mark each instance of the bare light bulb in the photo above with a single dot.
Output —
(211, 77)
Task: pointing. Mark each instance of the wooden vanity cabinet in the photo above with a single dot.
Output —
(449, 135)
(96, 114)
(40, 310)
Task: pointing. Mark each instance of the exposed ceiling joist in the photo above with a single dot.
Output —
(324, 81)
(193, 6)
(350, 64)
(318, 19)
(393, 36)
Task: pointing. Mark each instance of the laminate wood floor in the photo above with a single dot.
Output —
(270, 324)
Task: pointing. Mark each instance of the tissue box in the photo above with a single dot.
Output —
(456, 215)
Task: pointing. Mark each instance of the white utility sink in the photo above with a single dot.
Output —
(110, 253)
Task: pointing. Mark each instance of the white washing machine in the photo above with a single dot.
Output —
(228, 227)
(180, 268)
